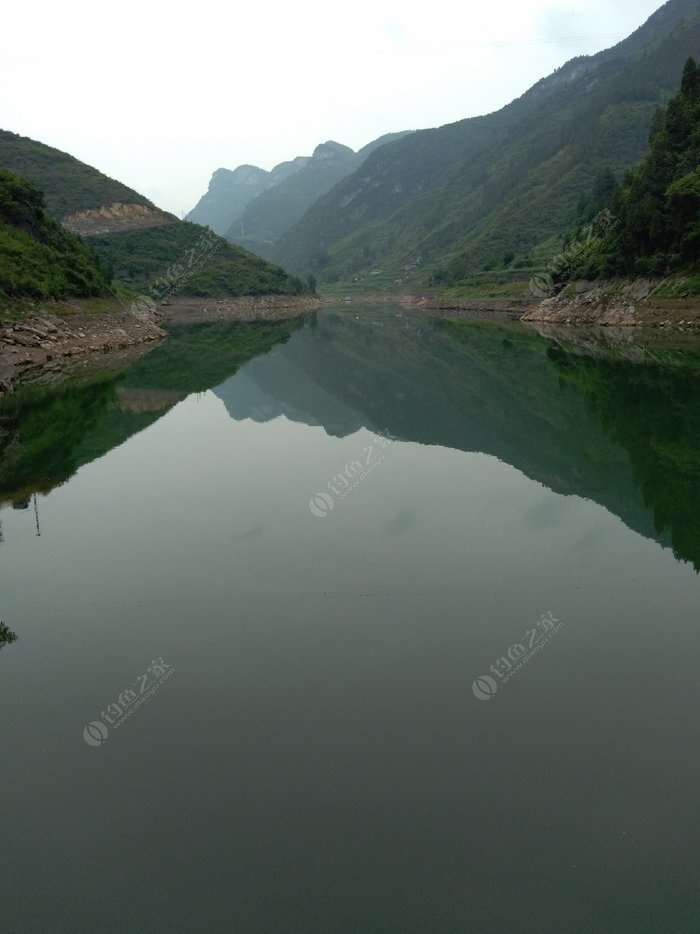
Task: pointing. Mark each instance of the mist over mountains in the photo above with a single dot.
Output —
(411, 210)
(463, 195)
(254, 208)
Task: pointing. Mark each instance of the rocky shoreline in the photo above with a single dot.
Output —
(55, 340)
(47, 344)
(610, 304)
(184, 310)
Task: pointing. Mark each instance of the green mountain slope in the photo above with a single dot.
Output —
(283, 197)
(68, 184)
(274, 211)
(652, 222)
(187, 259)
(38, 258)
(463, 195)
(134, 242)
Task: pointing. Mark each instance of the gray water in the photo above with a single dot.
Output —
(317, 746)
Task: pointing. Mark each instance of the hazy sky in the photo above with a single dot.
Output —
(159, 96)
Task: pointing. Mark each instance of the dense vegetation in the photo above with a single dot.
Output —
(175, 259)
(38, 258)
(466, 196)
(68, 184)
(653, 220)
(7, 636)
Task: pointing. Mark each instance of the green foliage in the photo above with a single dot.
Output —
(145, 258)
(465, 194)
(68, 184)
(7, 636)
(655, 226)
(38, 258)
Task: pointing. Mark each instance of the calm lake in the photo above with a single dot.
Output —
(365, 622)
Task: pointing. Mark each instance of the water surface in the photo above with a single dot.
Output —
(315, 755)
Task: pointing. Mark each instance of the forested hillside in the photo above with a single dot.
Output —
(68, 184)
(186, 259)
(270, 214)
(486, 191)
(38, 258)
(653, 219)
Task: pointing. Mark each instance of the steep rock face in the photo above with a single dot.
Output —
(225, 206)
(112, 218)
(230, 191)
(281, 205)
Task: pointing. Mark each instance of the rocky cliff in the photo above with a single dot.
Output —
(112, 218)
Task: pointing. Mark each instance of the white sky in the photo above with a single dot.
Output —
(160, 96)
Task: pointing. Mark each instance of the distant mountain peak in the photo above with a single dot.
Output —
(297, 182)
(331, 150)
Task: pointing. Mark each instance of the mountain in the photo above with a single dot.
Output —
(229, 193)
(275, 210)
(68, 184)
(461, 197)
(271, 213)
(296, 185)
(38, 258)
(652, 221)
(140, 245)
(186, 259)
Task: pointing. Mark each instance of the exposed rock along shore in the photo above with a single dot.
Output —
(47, 341)
(608, 304)
(45, 345)
(183, 310)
